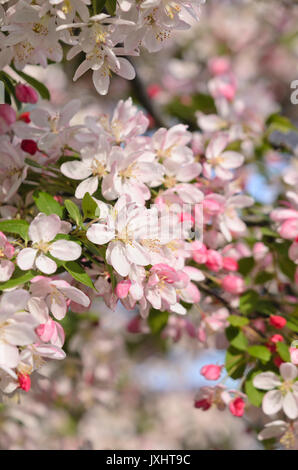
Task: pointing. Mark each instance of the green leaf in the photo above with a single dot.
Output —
(90, 208)
(269, 233)
(110, 6)
(245, 265)
(248, 301)
(74, 212)
(157, 320)
(283, 351)
(263, 276)
(40, 87)
(254, 395)
(78, 273)
(47, 204)
(15, 226)
(98, 6)
(293, 324)
(236, 338)
(287, 266)
(266, 307)
(18, 277)
(235, 320)
(235, 363)
(280, 123)
(259, 352)
(9, 84)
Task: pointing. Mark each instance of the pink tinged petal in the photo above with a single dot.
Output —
(100, 234)
(216, 146)
(272, 402)
(6, 270)
(153, 295)
(266, 381)
(38, 309)
(19, 334)
(59, 338)
(116, 256)
(44, 228)
(76, 170)
(12, 302)
(76, 295)
(290, 406)
(231, 160)
(9, 355)
(89, 185)
(45, 264)
(65, 250)
(25, 259)
(50, 351)
(288, 371)
(58, 306)
(46, 330)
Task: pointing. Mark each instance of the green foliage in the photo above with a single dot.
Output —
(90, 208)
(186, 112)
(245, 265)
(283, 351)
(78, 273)
(259, 352)
(15, 226)
(47, 204)
(248, 302)
(74, 212)
(254, 395)
(18, 278)
(235, 363)
(236, 338)
(235, 320)
(157, 320)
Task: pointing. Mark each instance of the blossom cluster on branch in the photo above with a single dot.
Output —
(31, 32)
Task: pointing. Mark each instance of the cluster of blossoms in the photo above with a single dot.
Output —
(31, 32)
(146, 256)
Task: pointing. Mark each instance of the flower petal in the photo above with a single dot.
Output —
(26, 257)
(65, 250)
(272, 402)
(45, 264)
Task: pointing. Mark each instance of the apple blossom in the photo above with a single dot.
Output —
(42, 231)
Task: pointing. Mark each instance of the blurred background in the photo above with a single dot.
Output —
(119, 387)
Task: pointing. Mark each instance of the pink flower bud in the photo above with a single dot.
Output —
(276, 338)
(7, 117)
(237, 406)
(199, 252)
(29, 146)
(277, 321)
(211, 371)
(233, 284)
(203, 404)
(230, 264)
(26, 94)
(294, 355)
(122, 289)
(259, 251)
(24, 382)
(214, 260)
(219, 65)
